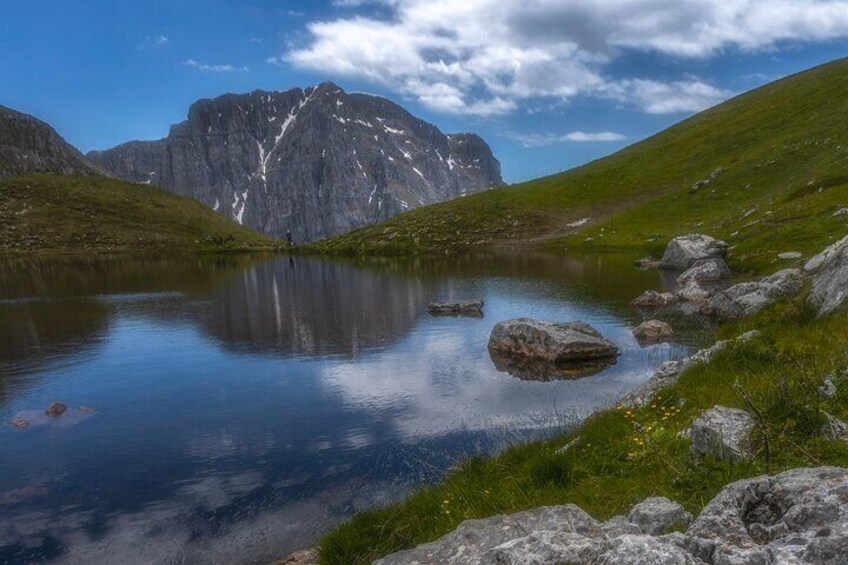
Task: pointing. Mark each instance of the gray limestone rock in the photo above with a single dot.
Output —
(722, 433)
(550, 341)
(709, 270)
(657, 514)
(473, 538)
(747, 298)
(800, 516)
(684, 251)
(318, 162)
(829, 270)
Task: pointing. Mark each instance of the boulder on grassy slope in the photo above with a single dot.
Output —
(722, 433)
(747, 298)
(684, 251)
(829, 270)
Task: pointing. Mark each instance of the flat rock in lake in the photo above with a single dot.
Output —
(549, 341)
(459, 308)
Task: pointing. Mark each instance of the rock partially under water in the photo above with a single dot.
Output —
(460, 308)
(550, 341)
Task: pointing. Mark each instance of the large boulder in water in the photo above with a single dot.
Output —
(684, 251)
(829, 270)
(550, 341)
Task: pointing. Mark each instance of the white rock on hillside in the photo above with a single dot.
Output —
(657, 514)
(722, 433)
(829, 270)
(747, 298)
(684, 251)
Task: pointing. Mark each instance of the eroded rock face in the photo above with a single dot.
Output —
(747, 298)
(318, 162)
(722, 433)
(796, 517)
(683, 252)
(550, 341)
(800, 516)
(829, 270)
(653, 331)
(657, 514)
(473, 538)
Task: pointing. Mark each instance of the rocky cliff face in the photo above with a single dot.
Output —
(319, 162)
(28, 145)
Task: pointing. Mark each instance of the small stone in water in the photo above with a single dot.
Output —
(19, 423)
(55, 409)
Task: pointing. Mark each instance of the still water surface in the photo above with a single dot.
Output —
(234, 408)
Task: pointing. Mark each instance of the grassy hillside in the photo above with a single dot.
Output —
(783, 155)
(46, 213)
(783, 151)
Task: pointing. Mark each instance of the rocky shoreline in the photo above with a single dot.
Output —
(799, 516)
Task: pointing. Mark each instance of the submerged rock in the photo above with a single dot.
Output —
(651, 299)
(647, 263)
(747, 298)
(829, 270)
(550, 341)
(56, 409)
(684, 251)
(653, 331)
(460, 308)
(722, 433)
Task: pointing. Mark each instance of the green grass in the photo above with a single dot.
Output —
(622, 456)
(47, 213)
(783, 149)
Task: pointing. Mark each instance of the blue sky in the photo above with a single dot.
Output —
(550, 84)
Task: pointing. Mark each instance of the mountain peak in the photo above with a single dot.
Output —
(318, 161)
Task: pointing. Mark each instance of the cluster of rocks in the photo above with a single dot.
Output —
(702, 285)
(800, 516)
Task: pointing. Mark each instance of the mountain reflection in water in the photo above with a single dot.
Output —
(241, 405)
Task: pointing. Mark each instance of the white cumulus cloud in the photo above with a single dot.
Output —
(544, 139)
(487, 56)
